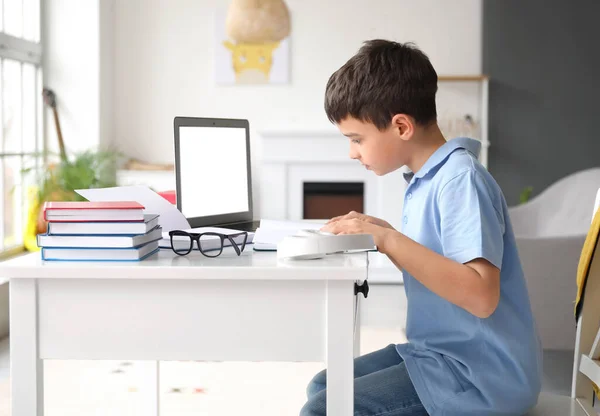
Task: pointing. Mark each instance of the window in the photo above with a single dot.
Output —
(20, 113)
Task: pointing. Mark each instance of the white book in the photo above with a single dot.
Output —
(107, 240)
(103, 228)
(210, 242)
(271, 232)
(99, 254)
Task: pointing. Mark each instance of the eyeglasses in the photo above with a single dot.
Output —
(209, 244)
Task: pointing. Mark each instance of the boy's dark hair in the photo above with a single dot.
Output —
(383, 79)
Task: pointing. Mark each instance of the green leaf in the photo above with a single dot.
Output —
(87, 169)
(525, 194)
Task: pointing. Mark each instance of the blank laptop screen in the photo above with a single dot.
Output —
(213, 165)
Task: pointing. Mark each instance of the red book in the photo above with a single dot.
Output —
(79, 211)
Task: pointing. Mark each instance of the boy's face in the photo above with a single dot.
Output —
(379, 151)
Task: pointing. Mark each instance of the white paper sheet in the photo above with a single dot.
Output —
(170, 217)
(271, 232)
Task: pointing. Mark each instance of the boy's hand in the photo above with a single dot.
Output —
(362, 217)
(357, 226)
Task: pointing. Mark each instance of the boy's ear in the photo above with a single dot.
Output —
(403, 125)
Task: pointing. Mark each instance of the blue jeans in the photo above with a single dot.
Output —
(382, 387)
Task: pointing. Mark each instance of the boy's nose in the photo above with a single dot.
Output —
(354, 155)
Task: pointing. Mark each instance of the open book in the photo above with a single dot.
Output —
(271, 232)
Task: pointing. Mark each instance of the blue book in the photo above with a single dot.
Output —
(99, 241)
(99, 254)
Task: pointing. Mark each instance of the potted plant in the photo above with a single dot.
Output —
(88, 169)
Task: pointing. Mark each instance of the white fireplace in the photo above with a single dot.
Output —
(291, 158)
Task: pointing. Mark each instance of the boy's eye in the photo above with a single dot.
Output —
(357, 141)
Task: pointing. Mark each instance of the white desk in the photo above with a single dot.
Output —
(247, 308)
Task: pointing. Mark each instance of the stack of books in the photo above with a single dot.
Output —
(99, 231)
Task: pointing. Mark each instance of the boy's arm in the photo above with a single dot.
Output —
(474, 286)
(467, 272)
(471, 229)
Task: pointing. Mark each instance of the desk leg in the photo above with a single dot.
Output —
(357, 306)
(26, 368)
(152, 388)
(340, 348)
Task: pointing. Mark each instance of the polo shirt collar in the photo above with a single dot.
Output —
(440, 155)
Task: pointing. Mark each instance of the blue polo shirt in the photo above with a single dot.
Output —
(460, 364)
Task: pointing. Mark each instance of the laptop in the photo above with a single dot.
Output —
(213, 172)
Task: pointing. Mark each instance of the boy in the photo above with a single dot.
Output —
(472, 344)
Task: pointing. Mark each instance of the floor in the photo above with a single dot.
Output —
(215, 389)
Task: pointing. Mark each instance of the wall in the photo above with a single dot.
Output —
(164, 65)
(541, 56)
(71, 68)
(106, 91)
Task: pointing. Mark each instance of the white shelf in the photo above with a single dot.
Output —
(484, 81)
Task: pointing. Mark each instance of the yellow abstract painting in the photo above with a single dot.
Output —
(253, 43)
